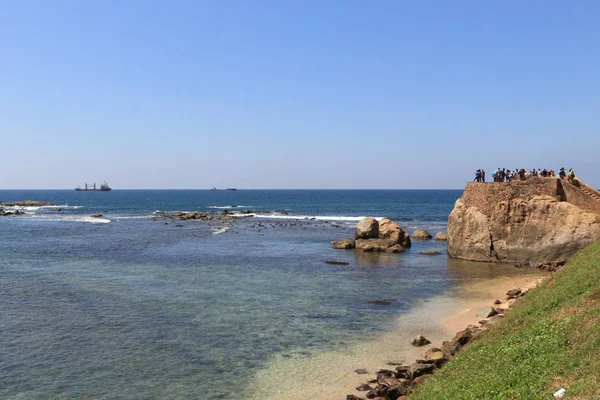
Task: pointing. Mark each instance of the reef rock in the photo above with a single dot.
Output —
(519, 223)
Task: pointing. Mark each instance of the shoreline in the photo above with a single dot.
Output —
(331, 375)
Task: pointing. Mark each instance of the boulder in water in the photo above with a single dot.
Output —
(441, 236)
(391, 231)
(421, 234)
(368, 228)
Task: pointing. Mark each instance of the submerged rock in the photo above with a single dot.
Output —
(336, 262)
(430, 253)
(344, 244)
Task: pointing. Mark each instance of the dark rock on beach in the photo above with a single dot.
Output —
(449, 348)
(364, 387)
(418, 369)
(435, 356)
(420, 341)
(486, 312)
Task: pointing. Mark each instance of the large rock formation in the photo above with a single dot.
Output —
(519, 222)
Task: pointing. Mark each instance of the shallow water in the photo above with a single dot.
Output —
(136, 308)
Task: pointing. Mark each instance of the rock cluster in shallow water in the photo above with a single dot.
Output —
(372, 236)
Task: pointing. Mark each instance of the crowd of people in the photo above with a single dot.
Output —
(507, 175)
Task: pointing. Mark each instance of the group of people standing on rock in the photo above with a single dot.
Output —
(506, 175)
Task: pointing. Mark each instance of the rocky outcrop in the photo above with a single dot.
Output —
(511, 223)
(4, 213)
(372, 236)
(26, 203)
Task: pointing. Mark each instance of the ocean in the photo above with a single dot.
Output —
(133, 306)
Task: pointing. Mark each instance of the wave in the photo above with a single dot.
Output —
(71, 218)
(220, 230)
(120, 217)
(36, 208)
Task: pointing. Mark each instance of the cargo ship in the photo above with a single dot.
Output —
(103, 188)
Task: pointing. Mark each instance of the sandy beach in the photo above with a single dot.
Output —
(331, 375)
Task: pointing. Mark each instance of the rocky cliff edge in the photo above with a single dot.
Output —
(521, 222)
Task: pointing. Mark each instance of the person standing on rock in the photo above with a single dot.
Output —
(562, 173)
(477, 176)
(482, 175)
(571, 176)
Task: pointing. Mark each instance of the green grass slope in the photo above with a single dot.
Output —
(549, 340)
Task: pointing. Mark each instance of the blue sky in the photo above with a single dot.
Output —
(295, 94)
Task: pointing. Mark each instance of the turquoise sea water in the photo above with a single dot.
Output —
(125, 306)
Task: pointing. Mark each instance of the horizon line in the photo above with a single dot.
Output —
(238, 189)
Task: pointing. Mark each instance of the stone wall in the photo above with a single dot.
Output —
(485, 196)
(574, 196)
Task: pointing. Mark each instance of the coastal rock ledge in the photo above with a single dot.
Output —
(533, 222)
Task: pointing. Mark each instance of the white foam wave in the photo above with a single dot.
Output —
(220, 230)
(134, 217)
(310, 217)
(36, 208)
(72, 218)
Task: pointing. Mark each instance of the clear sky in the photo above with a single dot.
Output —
(295, 94)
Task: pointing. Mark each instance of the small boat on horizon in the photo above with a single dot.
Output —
(230, 189)
(103, 188)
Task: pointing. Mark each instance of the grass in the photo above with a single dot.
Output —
(551, 339)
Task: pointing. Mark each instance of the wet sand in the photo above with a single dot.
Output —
(331, 375)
